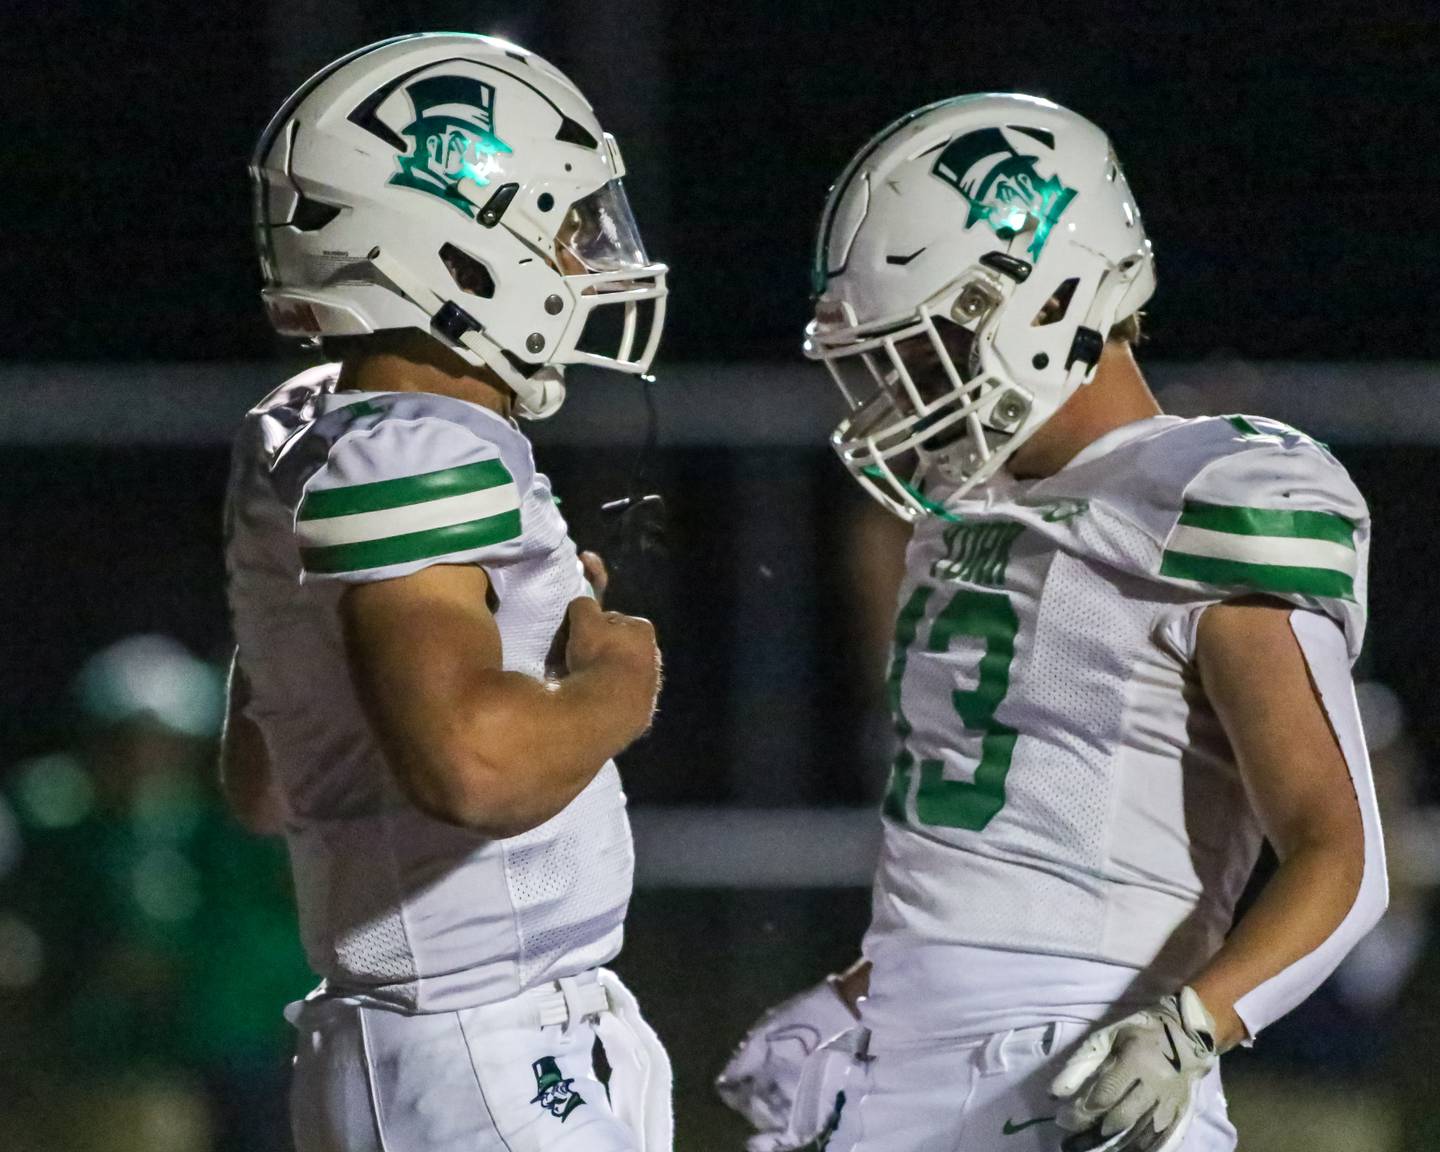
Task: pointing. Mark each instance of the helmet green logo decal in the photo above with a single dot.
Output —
(552, 1090)
(454, 138)
(1002, 186)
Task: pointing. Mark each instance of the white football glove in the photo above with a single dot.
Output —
(1133, 1085)
(763, 1077)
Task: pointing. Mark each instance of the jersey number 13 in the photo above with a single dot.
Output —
(970, 804)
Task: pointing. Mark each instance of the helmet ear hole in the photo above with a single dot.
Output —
(469, 274)
(1054, 309)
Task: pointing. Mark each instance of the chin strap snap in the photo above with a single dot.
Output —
(539, 396)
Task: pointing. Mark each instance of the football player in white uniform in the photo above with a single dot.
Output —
(1121, 660)
(427, 696)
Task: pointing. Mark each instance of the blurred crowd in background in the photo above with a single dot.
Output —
(147, 944)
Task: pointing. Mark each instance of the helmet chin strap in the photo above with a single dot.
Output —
(538, 396)
(1104, 310)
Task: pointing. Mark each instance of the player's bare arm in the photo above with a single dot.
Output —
(245, 764)
(472, 744)
(1255, 676)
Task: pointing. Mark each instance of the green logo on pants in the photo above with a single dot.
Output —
(552, 1091)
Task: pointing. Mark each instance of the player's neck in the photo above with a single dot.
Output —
(1116, 396)
(423, 364)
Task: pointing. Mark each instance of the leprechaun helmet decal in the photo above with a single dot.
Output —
(460, 185)
(1003, 186)
(451, 138)
(971, 259)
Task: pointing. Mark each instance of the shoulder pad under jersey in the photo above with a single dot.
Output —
(383, 484)
(1241, 504)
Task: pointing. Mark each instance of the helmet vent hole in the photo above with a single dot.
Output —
(469, 274)
(572, 133)
(1054, 309)
(312, 215)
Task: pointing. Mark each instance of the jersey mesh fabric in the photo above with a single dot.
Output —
(566, 870)
(397, 907)
(1071, 679)
(380, 949)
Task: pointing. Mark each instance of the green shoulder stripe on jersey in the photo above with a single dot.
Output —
(1261, 577)
(1243, 426)
(380, 495)
(1269, 522)
(411, 546)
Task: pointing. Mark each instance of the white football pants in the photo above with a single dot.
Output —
(989, 1094)
(513, 1077)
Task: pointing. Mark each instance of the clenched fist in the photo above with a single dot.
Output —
(620, 648)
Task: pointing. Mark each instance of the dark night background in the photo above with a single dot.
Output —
(1285, 159)
(1284, 154)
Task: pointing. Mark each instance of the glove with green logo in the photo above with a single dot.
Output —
(1132, 1086)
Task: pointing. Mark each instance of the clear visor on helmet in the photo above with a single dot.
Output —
(599, 234)
(619, 293)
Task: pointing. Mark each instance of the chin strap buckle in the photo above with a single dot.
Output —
(446, 317)
(454, 323)
(1085, 348)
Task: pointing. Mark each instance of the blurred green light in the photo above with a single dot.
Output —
(155, 678)
(54, 792)
(166, 886)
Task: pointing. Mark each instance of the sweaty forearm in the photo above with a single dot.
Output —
(1280, 682)
(548, 739)
(521, 749)
(473, 744)
(1300, 909)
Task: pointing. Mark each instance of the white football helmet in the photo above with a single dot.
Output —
(971, 260)
(459, 185)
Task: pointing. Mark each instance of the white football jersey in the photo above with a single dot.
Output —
(1062, 786)
(331, 488)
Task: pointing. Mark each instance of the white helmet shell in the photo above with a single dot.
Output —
(971, 260)
(463, 186)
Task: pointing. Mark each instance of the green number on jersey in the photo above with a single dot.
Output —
(939, 802)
